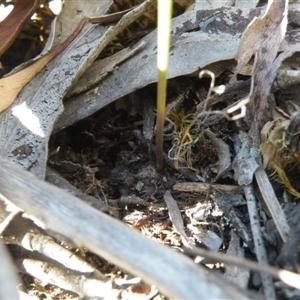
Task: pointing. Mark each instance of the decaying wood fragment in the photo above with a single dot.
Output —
(24, 233)
(201, 187)
(223, 202)
(236, 274)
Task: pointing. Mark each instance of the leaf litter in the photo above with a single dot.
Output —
(107, 156)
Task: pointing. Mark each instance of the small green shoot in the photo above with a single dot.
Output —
(163, 47)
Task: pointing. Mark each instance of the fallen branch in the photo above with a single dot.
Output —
(175, 275)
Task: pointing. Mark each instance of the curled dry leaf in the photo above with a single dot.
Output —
(223, 153)
(272, 141)
(13, 23)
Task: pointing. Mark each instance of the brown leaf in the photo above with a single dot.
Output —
(262, 38)
(12, 25)
(272, 135)
(176, 218)
(11, 86)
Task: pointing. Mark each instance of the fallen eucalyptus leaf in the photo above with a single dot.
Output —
(101, 68)
(27, 124)
(11, 26)
(191, 51)
(11, 86)
(192, 48)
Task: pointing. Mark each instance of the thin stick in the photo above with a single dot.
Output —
(290, 278)
(260, 250)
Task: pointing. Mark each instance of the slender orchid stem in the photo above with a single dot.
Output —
(163, 47)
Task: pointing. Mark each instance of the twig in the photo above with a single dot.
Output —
(290, 278)
(24, 232)
(202, 187)
(260, 250)
(107, 37)
(67, 279)
(272, 203)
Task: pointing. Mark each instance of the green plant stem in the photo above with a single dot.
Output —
(163, 46)
(160, 118)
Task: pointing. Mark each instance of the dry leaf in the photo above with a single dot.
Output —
(27, 124)
(176, 218)
(11, 86)
(223, 153)
(13, 23)
(101, 68)
(217, 41)
(272, 136)
(191, 50)
(262, 38)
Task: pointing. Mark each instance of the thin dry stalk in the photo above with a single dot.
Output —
(260, 250)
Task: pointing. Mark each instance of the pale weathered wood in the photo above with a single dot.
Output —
(8, 280)
(260, 250)
(272, 203)
(174, 274)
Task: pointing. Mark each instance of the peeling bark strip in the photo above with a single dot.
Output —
(262, 38)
